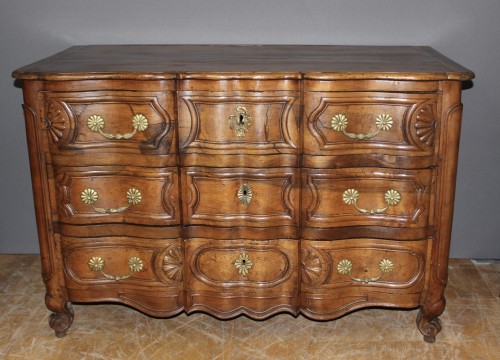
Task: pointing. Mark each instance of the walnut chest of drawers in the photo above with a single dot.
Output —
(244, 179)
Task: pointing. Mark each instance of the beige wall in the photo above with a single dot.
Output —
(467, 31)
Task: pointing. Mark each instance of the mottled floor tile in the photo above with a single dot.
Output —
(471, 325)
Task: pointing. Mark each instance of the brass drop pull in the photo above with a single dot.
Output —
(90, 196)
(97, 264)
(391, 197)
(240, 121)
(383, 122)
(243, 264)
(344, 267)
(245, 194)
(96, 123)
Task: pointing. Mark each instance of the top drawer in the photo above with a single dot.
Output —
(127, 124)
(248, 119)
(371, 128)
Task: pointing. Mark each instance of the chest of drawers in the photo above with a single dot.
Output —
(244, 179)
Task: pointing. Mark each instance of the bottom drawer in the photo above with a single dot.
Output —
(144, 273)
(232, 277)
(341, 276)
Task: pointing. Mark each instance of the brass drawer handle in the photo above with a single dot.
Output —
(243, 264)
(391, 197)
(382, 121)
(90, 196)
(344, 267)
(97, 264)
(245, 194)
(240, 121)
(96, 123)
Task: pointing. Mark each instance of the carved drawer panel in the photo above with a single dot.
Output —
(117, 195)
(368, 197)
(236, 124)
(126, 123)
(240, 197)
(140, 272)
(340, 276)
(232, 277)
(371, 129)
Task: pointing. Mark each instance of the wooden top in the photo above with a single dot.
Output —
(242, 61)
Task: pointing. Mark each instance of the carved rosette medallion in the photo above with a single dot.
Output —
(55, 123)
(425, 124)
(173, 263)
(311, 267)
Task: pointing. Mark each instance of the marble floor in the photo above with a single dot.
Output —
(471, 327)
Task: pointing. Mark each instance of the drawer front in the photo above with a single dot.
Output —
(113, 195)
(141, 272)
(242, 276)
(344, 275)
(233, 125)
(371, 129)
(126, 123)
(368, 197)
(245, 197)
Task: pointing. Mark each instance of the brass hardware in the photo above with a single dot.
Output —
(245, 194)
(344, 267)
(90, 196)
(97, 264)
(243, 264)
(240, 121)
(391, 197)
(383, 122)
(96, 123)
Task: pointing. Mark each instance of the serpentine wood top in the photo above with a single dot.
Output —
(245, 61)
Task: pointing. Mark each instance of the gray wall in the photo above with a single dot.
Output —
(467, 31)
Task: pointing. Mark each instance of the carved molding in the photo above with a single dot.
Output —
(425, 124)
(172, 264)
(70, 109)
(55, 122)
(280, 256)
(286, 142)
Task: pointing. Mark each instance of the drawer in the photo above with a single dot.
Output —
(371, 129)
(340, 276)
(374, 197)
(92, 195)
(141, 272)
(257, 278)
(95, 124)
(241, 197)
(222, 129)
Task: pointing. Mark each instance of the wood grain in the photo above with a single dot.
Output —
(190, 227)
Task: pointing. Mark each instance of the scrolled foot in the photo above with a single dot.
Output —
(428, 326)
(61, 321)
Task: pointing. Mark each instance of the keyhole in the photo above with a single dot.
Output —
(241, 119)
(244, 192)
(243, 262)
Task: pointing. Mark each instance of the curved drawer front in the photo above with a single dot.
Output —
(341, 276)
(242, 276)
(230, 197)
(368, 197)
(374, 128)
(126, 270)
(126, 123)
(237, 125)
(113, 195)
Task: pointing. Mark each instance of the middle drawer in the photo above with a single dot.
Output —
(91, 195)
(240, 197)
